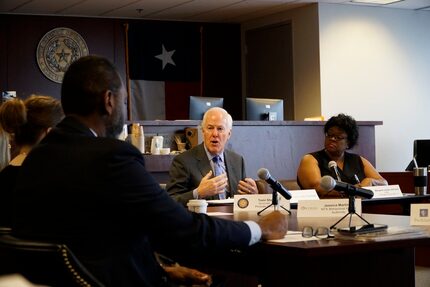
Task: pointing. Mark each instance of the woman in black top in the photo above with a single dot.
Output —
(341, 133)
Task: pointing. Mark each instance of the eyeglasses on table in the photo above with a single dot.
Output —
(319, 232)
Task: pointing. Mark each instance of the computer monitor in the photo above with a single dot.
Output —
(260, 109)
(421, 154)
(199, 105)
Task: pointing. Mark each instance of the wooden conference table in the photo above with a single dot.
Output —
(381, 261)
(393, 205)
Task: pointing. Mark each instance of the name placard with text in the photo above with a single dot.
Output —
(420, 214)
(385, 191)
(326, 207)
(256, 202)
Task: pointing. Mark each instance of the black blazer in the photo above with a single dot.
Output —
(190, 167)
(95, 195)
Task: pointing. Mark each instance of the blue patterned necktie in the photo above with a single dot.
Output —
(218, 170)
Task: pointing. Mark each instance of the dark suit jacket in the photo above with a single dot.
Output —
(8, 177)
(95, 195)
(190, 167)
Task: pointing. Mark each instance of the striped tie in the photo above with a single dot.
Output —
(217, 171)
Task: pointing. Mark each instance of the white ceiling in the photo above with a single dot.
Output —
(189, 10)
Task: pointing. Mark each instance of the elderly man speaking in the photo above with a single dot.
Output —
(209, 171)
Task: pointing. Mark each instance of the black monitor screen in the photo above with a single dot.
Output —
(199, 105)
(421, 154)
(260, 109)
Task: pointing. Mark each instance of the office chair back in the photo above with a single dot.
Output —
(43, 263)
(264, 187)
(5, 230)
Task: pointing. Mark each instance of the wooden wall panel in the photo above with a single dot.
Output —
(222, 68)
(21, 34)
(277, 146)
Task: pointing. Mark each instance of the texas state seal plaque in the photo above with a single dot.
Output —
(57, 50)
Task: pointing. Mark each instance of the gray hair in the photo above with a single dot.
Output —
(224, 113)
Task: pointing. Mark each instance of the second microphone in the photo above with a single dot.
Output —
(263, 173)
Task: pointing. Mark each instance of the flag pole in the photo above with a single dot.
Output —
(127, 73)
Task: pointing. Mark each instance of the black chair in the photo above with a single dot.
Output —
(5, 230)
(43, 263)
(264, 187)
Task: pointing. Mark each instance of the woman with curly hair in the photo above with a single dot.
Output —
(341, 134)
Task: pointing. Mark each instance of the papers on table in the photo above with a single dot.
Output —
(303, 194)
(219, 213)
(391, 233)
(294, 236)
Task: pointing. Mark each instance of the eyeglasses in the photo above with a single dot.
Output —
(334, 137)
(319, 232)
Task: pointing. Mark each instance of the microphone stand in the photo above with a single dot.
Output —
(351, 191)
(351, 212)
(275, 203)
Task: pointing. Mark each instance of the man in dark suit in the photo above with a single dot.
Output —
(193, 174)
(82, 187)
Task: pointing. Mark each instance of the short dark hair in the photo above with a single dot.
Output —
(84, 83)
(346, 123)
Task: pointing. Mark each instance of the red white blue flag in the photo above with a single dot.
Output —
(164, 68)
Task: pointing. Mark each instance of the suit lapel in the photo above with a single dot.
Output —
(202, 160)
(232, 169)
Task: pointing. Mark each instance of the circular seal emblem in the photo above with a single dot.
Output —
(242, 203)
(57, 50)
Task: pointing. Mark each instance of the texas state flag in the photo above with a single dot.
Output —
(164, 63)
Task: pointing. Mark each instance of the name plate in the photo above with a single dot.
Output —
(303, 194)
(326, 207)
(256, 202)
(385, 191)
(420, 214)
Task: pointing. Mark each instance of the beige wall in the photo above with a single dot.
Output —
(370, 62)
(375, 65)
(304, 23)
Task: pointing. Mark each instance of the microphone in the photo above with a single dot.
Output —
(264, 174)
(333, 166)
(328, 183)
